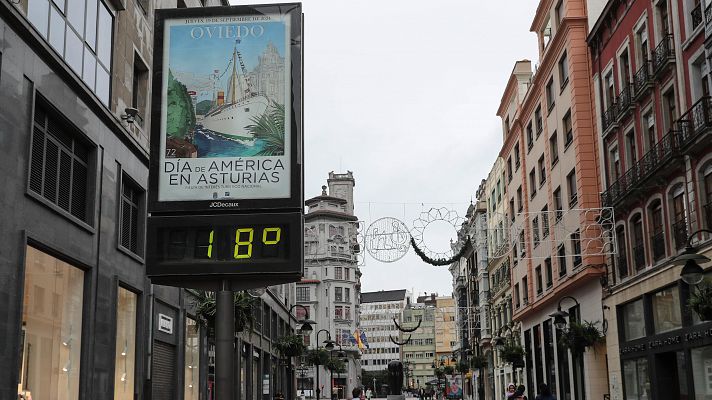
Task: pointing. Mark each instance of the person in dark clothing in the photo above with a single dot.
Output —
(519, 393)
(545, 393)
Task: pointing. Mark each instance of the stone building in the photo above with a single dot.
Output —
(330, 290)
(377, 311)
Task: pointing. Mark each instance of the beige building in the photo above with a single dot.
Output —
(445, 327)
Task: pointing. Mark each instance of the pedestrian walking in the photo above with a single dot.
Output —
(510, 391)
(519, 393)
(369, 393)
(545, 393)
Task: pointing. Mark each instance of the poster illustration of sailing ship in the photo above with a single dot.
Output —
(225, 132)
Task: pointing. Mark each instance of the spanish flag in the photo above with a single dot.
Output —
(359, 343)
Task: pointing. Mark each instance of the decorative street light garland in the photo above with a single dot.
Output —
(439, 261)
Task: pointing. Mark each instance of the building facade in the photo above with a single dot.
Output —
(377, 313)
(550, 153)
(651, 81)
(330, 290)
(80, 319)
(419, 351)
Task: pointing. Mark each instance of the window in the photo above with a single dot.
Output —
(558, 12)
(82, 34)
(649, 130)
(192, 361)
(615, 164)
(549, 273)
(139, 89)
(657, 239)
(707, 181)
(539, 283)
(303, 293)
(522, 244)
(666, 310)
(610, 91)
(506, 127)
(125, 356)
(576, 248)
(52, 313)
(520, 202)
(571, 187)
(347, 294)
(347, 274)
(530, 137)
(631, 149)
(663, 18)
(633, 320)
(624, 68)
(338, 312)
(568, 129)
(554, 149)
(679, 225)
(130, 230)
(532, 182)
(516, 296)
(622, 260)
(59, 165)
(545, 222)
(535, 231)
(338, 273)
(563, 70)
(636, 378)
(638, 246)
(347, 312)
(642, 47)
(303, 312)
(561, 255)
(558, 205)
(538, 121)
(669, 110)
(509, 168)
(338, 294)
(525, 290)
(516, 157)
(511, 209)
(550, 99)
(702, 361)
(542, 171)
(546, 34)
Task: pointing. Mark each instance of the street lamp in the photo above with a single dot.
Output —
(306, 322)
(328, 342)
(691, 273)
(302, 374)
(560, 315)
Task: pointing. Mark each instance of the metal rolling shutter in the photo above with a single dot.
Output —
(163, 377)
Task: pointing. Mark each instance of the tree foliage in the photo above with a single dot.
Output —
(180, 117)
(290, 345)
(270, 128)
(206, 306)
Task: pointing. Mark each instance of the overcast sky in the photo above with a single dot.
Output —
(405, 95)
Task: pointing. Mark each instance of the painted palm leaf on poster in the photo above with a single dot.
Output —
(225, 134)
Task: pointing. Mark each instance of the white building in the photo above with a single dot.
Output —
(330, 288)
(377, 312)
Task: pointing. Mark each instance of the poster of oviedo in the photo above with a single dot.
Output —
(224, 130)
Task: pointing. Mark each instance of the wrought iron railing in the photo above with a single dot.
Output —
(609, 117)
(625, 100)
(642, 80)
(658, 242)
(663, 53)
(660, 154)
(696, 14)
(679, 231)
(696, 120)
(639, 256)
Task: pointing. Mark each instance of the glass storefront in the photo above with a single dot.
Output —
(192, 360)
(51, 328)
(124, 370)
(702, 372)
(636, 378)
(633, 320)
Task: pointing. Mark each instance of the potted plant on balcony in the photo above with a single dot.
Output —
(478, 362)
(512, 353)
(290, 346)
(700, 300)
(580, 335)
(317, 357)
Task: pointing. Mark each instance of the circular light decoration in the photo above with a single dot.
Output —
(387, 239)
(420, 225)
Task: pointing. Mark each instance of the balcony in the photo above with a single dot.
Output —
(696, 123)
(639, 256)
(643, 82)
(679, 232)
(661, 154)
(663, 55)
(625, 102)
(708, 214)
(609, 120)
(658, 242)
(696, 15)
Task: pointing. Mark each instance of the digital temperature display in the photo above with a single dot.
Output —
(186, 249)
(224, 243)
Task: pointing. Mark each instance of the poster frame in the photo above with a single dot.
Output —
(295, 64)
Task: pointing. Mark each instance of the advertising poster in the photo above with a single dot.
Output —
(454, 387)
(224, 132)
